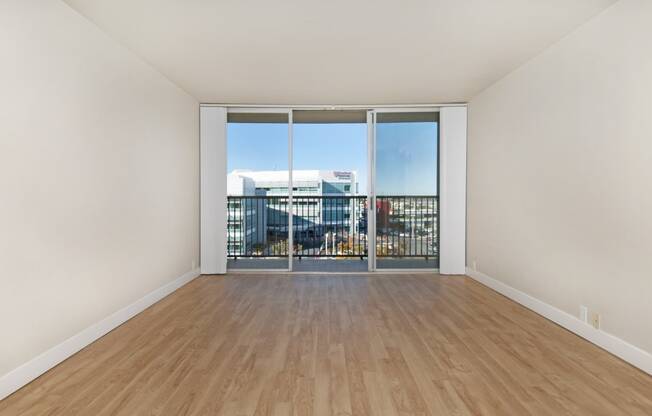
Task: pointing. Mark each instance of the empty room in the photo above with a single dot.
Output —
(301, 207)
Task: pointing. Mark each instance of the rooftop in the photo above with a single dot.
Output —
(297, 176)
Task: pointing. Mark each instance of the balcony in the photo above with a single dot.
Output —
(333, 227)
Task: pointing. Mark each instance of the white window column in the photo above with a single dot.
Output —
(212, 121)
(452, 210)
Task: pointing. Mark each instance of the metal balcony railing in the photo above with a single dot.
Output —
(331, 226)
(407, 226)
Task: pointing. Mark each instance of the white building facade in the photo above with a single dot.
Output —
(327, 211)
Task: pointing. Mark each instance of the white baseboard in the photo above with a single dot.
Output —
(29, 371)
(628, 352)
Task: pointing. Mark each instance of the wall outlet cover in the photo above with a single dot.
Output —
(584, 314)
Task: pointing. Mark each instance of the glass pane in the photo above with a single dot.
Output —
(407, 191)
(330, 182)
(257, 182)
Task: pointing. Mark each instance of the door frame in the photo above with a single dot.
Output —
(372, 158)
(372, 111)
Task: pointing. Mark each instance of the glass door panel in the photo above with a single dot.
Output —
(257, 191)
(329, 190)
(407, 202)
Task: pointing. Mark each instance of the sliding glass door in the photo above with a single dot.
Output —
(329, 179)
(406, 189)
(361, 187)
(257, 191)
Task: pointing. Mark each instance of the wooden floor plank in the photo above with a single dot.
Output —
(330, 345)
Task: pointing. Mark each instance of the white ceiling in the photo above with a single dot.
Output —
(337, 51)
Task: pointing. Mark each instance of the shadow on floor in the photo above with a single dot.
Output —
(332, 265)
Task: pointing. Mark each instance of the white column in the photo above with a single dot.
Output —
(290, 189)
(212, 122)
(371, 191)
(452, 193)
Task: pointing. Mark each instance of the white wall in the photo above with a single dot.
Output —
(560, 174)
(98, 178)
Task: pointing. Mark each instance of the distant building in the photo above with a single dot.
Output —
(305, 182)
(260, 221)
(406, 225)
(243, 216)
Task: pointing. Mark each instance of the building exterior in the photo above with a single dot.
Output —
(305, 182)
(327, 211)
(243, 215)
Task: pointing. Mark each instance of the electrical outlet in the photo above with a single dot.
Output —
(584, 314)
(193, 265)
(475, 265)
(595, 320)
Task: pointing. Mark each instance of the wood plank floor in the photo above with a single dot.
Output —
(337, 345)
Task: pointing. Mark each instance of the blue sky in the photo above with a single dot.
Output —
(406, 158)
(406, 152)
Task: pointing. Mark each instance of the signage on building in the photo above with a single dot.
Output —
(342, 175)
